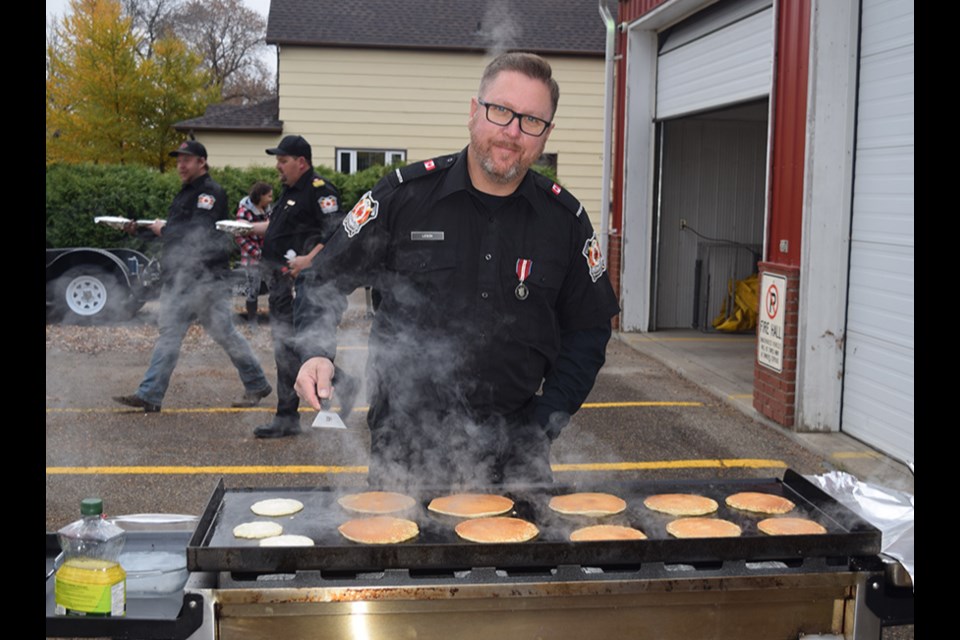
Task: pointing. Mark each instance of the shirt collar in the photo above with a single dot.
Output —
(457, 178)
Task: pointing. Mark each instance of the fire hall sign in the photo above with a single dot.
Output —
(773, 298)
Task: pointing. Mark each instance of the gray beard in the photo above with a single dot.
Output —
(500, 178)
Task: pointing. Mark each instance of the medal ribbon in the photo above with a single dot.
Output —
(524, 266)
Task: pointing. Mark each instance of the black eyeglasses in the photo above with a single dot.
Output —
(502, 116)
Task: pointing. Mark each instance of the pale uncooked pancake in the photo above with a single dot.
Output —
(681, 504)
(471, 505)
(790, 527)
(588, 504)
(497, 529)
(379, 530)
(287, 541)
(276, 507)
(760, 502)
(378, 502)
(607, 532)
(255, 530)
(702, 528)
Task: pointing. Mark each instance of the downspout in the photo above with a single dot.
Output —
(611, 26)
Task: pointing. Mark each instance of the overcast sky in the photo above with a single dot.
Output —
(56, 9)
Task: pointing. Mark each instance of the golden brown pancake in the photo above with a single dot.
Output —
(471, 505)
(607, 532)
(702, 528)
(588, 504)
(759, 502)
(276, 507)
(258, 529)
(790, 527)
(497, 529)
(681, 504)
(379, 530)
(379, 502)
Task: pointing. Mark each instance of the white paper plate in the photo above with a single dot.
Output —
(236, 227)
(116, 222)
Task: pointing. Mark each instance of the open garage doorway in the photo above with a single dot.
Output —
(709, 214)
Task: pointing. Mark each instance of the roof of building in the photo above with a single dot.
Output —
(541, 26)
(260, 116)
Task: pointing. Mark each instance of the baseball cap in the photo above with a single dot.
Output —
(293, 146)
(190, 148)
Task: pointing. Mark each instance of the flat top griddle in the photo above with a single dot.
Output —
(214, 548)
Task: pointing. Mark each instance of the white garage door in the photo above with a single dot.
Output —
(720, 56)
(878, 387)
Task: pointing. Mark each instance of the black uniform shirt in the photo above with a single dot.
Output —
(192, 245)
(451, 329)
(305, 215)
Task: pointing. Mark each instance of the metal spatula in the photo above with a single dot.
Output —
(328, 420)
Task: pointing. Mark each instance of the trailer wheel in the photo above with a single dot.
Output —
(87, 294)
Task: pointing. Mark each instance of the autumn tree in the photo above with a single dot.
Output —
(106, 103)
(230, 38)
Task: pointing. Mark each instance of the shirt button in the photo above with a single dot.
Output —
(484, 295)
(488, 257)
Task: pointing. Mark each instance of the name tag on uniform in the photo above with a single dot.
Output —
(426, 235)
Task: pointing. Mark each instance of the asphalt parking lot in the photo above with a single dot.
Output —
(642, 421)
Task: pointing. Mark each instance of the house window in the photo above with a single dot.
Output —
(353, 160)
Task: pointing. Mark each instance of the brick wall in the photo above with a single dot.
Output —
(775, 394)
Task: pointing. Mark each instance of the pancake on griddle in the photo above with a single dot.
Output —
(756, 502)
(471, 505)
(607, 532)
(790, 527)
(681, 504)
(276, 507)
(587, 504)
(287, 541)
(257, 530)
(703, 528)
(377, 502)
(497, 529)
(379, 530)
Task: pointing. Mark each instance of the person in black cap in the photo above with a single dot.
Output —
(305, 216)
(194, 266)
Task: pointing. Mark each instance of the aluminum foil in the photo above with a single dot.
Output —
(889, 510)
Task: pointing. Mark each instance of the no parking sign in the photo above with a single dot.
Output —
(773, 298)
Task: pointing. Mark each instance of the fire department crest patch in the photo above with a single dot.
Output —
(363, 212)
(328, 204)
(595, 261)
(205, 201)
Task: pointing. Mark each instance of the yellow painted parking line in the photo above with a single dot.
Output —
(740, 396)
(223, 470)
(268, 409)
(750, 463)
(611, 405)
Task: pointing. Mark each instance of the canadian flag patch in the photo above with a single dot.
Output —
(429, 165)
(556, 189)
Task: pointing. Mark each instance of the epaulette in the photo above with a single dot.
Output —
(416, 170)
(558, 193)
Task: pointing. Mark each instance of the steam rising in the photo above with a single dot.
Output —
(498, 30)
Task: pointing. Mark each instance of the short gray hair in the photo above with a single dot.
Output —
(530, 65)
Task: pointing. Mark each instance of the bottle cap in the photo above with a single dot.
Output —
(91, 507)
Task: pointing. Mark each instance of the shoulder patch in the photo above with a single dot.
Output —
(362, 213)
(206, 201)
(560, 194)
(424, 168)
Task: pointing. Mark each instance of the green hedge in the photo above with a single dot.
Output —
(77, 193)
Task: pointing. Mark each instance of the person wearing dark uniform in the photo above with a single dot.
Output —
(496, 305)
(305, 216)
(194, 267)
